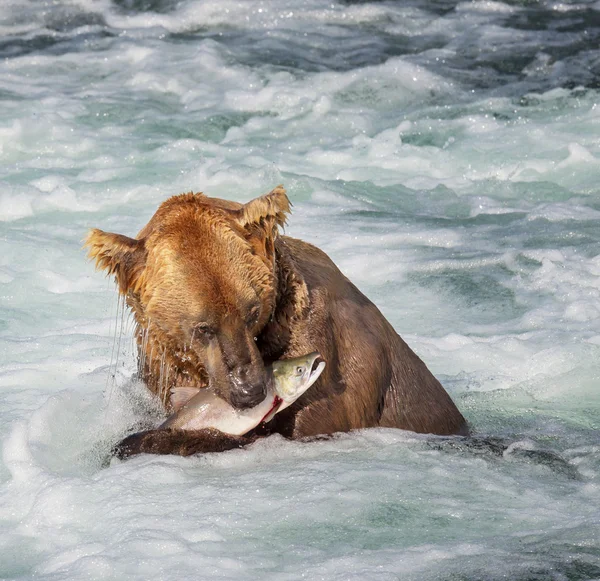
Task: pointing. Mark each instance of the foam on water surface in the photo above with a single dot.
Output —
(444, 154)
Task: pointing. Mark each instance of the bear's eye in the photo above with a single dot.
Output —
(299, 370)
(202, 330)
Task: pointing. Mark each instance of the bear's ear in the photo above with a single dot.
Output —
(119, 255)
(271, 208)
(262, 218)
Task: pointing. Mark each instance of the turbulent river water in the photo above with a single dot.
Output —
(445, 154)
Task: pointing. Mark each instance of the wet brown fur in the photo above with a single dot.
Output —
(218, 293)
(179, 442)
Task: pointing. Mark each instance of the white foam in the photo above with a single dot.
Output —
(14, 206)
(485, 6)
(577, 155)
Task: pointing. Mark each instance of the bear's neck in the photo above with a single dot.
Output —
(291, 304)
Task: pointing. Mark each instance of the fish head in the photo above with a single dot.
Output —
(292, 377)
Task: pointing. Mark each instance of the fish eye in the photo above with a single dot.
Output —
(299, 370)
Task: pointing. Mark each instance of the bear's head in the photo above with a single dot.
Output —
(201, 282)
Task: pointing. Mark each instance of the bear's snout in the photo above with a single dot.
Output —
(250, 386)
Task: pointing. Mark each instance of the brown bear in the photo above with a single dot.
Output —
(218, 294)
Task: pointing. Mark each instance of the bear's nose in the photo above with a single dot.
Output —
(249, 387)
(247, 398)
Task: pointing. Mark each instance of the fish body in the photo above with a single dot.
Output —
(197, 409)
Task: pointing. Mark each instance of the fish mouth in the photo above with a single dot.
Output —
(317, 366)
(316, 361)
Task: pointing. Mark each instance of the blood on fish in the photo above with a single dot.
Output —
(276, 403)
